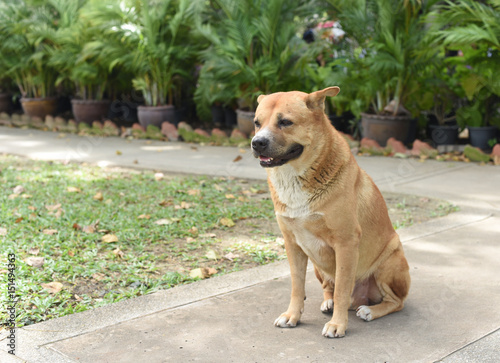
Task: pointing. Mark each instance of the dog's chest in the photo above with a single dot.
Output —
(288, 188)
(298, 217)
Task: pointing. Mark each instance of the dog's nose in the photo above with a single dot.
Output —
(260, 144)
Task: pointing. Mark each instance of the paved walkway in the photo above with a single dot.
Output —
(451, 315)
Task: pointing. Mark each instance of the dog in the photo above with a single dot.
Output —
(330, 211)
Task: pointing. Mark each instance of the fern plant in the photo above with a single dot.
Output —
(27, 28)
(152, 39)
(254, 50)
(79, 54)
(473, 27)
(389, 52)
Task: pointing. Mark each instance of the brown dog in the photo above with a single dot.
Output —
(329, 210)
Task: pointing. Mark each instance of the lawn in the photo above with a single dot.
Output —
(86, 236)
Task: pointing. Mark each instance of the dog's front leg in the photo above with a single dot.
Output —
(346, 259)
(298, 266)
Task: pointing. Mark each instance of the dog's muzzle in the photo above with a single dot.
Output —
(269, 158)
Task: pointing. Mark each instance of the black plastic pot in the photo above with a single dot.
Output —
(230, 116)
(479, 136)
(218, 116)
(444, 134)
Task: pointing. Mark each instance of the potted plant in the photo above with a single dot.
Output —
(26, 28)
(213, 97)
(473, 29)
(389, 50)
(154, 41)
(83, 61)
(254, 50)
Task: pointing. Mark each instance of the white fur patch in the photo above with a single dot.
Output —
(365, 313)
(289, 189)
(284, 322)
(327, 306)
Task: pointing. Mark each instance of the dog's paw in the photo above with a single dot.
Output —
(365, 313)
(287, 320)
(332, 330)
(327, 306)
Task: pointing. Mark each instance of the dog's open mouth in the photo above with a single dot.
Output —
(293, 153)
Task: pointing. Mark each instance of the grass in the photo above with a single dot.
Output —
(65, 211)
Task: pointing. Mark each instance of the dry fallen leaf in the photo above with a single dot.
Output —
(98, 276)
(88, 229)
(165, 203)
(242, 199)
(227, 222)
(76, 226)
(163, 221)
(32, 208)
(58, 213)
(13, 196)
(73, 190)
(18, 220)
(194, 192)
(199, 273)
(190, 239)
(3, 231)
(53, 287)
(18, 190)
(159, 176)
(54, 207)
(230, 256)
(77, 298)
(211, 271)
(229, 196)
(238, 158)
(35, 261)
(98, 196)
(118, 253)
(136, 162)
(193, 230)
(71, 254)
(212, 255)
(34, 251)
(194, 148)
(208, 235)
(50, 232)
(242, 151)
(118, 152)
(26, 196)
(183, 205)
(218, 187)
(109, 238)
(144, 216)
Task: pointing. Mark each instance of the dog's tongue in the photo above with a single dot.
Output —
(265, 158)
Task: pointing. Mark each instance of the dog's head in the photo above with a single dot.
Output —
(287, 124)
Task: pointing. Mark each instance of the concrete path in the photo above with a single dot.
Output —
(451, 315)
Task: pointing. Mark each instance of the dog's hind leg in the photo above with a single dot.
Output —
(328, 288)
(393, 281)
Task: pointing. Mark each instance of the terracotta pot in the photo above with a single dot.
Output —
(89, 111)
(39, 107)
(245, 121)
(5, 102)
(155, 115)
(479, 136)
(382, 127)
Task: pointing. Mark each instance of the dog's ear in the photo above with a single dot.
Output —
(317, 99)
(260, 98)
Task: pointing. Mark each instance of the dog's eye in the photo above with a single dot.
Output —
(284, 123)
(256, 123)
